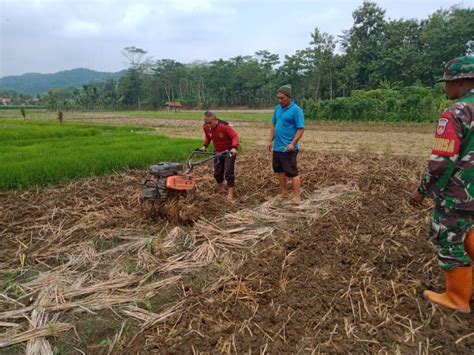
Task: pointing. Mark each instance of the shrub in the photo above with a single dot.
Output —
(411, 104)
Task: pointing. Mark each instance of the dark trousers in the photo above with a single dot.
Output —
(224, 168)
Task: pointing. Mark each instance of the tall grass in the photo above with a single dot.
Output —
(40, 154)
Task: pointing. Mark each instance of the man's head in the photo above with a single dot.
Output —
(284, 95)
(458, 76)
(210, 119)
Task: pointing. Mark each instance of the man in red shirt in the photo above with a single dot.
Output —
(223, 137)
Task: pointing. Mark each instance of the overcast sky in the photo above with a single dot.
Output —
(46, 36)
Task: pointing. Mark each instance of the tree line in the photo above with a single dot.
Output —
(376, 53)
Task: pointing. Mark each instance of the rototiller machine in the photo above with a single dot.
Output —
(168, 182)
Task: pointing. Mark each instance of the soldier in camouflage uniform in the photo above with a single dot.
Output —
(449, 180)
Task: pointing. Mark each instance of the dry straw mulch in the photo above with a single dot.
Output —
(342, 272)
(350, 281)
(85, 247)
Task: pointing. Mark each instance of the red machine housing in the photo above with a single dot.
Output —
(180, 182)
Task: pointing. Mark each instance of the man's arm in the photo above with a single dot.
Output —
(299, 122)
(272, 131)
(207, 139)
(272, 136)
(442, 161)
(298, 135)
(233, 136)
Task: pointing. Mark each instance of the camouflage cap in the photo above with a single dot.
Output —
(459, 68)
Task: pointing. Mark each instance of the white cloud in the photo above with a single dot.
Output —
(81, 28)
(192, 5)
(92, 33)
(135, 14)
(325, 16)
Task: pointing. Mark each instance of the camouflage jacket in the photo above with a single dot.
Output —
(449, 178)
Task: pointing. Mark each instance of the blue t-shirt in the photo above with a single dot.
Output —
(286, 121)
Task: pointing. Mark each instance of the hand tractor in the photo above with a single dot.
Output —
(169, 181)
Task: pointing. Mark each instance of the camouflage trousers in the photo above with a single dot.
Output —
(448, 230)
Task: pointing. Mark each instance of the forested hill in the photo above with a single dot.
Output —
(35, 83)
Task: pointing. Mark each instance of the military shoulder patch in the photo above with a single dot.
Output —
(442, 123)
(446, 141)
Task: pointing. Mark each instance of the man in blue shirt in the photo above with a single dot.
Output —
(287, 129)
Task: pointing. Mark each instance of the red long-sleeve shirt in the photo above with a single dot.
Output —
(222, 136)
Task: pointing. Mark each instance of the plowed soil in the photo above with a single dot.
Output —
(349, 283)
(348, 280)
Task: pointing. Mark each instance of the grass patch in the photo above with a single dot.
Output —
(42, 153)
(28, 130)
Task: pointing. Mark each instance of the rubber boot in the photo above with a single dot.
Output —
(469, 248)
(458, 290)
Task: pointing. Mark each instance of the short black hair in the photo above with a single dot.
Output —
(209, 113)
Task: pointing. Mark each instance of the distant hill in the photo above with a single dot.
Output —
(34, 83)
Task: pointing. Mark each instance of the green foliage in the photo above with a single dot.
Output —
(8, 285)
(146, 304)
(364, 40)
(129, 269)
(378, 53)
(130, 89)
(148, 245)
(33, 153)
(411, 103)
